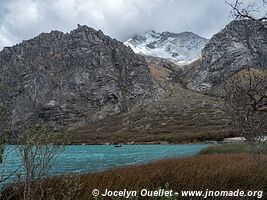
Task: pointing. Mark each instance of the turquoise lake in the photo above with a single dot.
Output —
(92, 158)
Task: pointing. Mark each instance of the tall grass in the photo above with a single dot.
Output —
(229, 148)
(213, 172)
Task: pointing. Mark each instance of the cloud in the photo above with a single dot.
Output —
(121, 19)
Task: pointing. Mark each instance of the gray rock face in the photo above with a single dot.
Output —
(71, 79)
(239, 45)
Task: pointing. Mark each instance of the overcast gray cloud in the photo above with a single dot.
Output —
(120, 19)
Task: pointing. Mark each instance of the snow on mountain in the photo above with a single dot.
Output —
(181, 47)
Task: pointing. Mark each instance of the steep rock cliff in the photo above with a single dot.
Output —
(71, 79)
(241, 44)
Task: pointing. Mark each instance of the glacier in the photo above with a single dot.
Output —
(178, 47)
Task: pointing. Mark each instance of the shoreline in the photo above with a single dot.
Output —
(156, 142)
(136, 143)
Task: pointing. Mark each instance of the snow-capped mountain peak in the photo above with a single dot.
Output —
(180, 47)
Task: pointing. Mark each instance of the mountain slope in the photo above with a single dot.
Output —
(241, 44)
(71, 79)
(180, 47)
(180, 115)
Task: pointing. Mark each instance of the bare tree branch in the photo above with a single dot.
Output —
(240, 11)
(246, 102)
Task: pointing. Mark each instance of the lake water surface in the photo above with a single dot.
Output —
(92, 158)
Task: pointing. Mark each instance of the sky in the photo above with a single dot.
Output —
(120, 19)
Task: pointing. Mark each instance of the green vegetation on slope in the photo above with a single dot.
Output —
(182, 116)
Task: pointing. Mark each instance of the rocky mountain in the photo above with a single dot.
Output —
(180, 47)
(105, 93)
(241, 44)
(71, 79)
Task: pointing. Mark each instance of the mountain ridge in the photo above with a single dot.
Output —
(63, 79)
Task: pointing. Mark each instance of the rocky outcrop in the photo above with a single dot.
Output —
(241, 44)
(71, 79)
